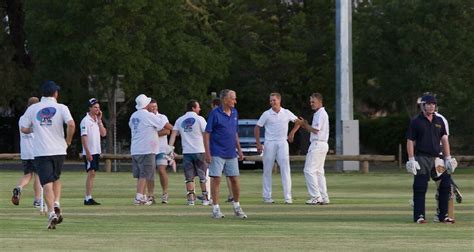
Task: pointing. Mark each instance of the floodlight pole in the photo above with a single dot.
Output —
(347, 129)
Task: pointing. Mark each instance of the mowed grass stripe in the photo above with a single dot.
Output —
(368, 213)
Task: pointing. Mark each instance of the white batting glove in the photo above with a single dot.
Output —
(169, 150)
(451, 164)
(412, 166)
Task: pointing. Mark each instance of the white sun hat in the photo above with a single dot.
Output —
(142, 101)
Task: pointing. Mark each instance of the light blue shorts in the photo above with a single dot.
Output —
(230, 166)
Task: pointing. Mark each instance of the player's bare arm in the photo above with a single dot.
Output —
(71, 128)
(256, 133)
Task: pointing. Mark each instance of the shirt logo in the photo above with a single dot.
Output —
(45, 116)
(187, 124)
(135, 123)
(438, 126)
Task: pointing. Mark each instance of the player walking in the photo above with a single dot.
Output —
(46, 120)
(191, 127)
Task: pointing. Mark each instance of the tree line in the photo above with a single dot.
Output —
(177, 50)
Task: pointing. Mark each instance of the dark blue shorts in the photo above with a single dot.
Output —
(49, 168)
(92, 165)
(28, 166)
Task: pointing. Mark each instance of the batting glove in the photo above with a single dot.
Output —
(169, 150)
(451, 164)
(412, 166)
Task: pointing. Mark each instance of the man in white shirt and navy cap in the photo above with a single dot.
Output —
(92, 129)
(46, 120)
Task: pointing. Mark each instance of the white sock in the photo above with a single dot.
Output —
(88, 197)
(215, 207)
(236, 204)
(139, 196)
(56, 204)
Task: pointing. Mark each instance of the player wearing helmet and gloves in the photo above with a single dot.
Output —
(423, 137)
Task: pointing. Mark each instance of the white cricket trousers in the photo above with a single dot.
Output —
(279, 151)
(314, 169)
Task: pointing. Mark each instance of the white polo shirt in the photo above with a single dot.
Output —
(163, 139)
(191, 127)
(144, 126)
(47, 119)
(26, 142)
(90, 128)
(276, 124)
(321, 123)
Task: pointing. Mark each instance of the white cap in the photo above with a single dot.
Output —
(142, 101)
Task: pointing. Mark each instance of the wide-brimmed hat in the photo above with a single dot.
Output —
(142, 101)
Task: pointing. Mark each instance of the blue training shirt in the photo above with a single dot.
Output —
(426, 135)
(222, 130)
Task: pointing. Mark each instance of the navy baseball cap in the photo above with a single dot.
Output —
(92, 101)
(49, 87)
(428, 99)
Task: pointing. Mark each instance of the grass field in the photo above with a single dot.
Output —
(367, 213)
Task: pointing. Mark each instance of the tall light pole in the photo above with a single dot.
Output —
(347, 129)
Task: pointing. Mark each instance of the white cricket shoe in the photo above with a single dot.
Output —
(314, 201)
(217, 214)
(325, 201)
(239, 212)
(289, 201)
(52, 221)
(268, 201)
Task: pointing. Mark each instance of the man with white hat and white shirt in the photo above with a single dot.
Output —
(145, 145)
(275, 120)
(46, 119)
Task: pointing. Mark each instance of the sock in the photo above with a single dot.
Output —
(56, 204)
(21, 188)
(236, 204)
(51, 213)
(88, 197)
(139, 196)
(215, 207)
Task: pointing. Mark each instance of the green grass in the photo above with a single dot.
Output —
(367, 213)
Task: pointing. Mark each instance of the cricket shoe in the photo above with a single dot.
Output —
(164, 198)
(448, 220)
(289, 201)
(36, 204)
(57, 211)
(421, 220)
(142, 202)
(91, 202)
(458, 194)
(52, 221)
(325, 201)
(239, 212)
(268, 201)
(217, 214)
(152, 199)
(436, 218)
(314, 201)
(16, 196)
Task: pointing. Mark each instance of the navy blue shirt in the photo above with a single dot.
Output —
(222, 130)
(426, 135)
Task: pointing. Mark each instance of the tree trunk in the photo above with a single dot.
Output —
(16, 21)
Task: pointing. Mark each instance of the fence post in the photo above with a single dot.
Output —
(108, 165)
(365, 167)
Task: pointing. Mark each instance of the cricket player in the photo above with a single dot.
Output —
(46, 119)
(317, 151)
(191, 127)
(92, 129)
(221, 140)
(275, 120)
(424, 134)
(27, 160)
(144, 127)
(162, 156)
